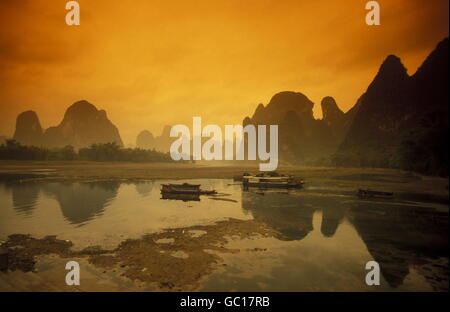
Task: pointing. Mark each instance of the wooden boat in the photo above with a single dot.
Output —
(270, 180)
(185, 188)
(374, 194)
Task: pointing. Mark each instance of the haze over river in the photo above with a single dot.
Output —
(324, 234)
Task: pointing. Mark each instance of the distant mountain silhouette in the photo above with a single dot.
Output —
(302, 139)
(332, 114)
(28, 129)
(402, 121)
(338, 121)
(81, 126)
(163, 142)
(146, 140)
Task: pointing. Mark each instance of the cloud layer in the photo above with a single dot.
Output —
(151, 63)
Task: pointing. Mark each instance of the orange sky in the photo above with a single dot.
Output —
(149, 63)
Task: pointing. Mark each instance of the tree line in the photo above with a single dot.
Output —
(13, 150)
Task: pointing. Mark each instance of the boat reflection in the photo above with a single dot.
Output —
(182, 197)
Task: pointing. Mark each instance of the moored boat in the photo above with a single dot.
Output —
(271, 180)
(184, 188)
(371, 194)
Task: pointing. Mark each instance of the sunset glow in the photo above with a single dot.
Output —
(156, 63)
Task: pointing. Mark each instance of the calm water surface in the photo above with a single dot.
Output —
(326, 234)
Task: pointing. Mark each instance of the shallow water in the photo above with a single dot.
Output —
(325, 234)
(105, 213)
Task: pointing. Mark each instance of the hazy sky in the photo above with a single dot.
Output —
(151, 63)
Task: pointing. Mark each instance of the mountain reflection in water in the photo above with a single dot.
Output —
(291, 214)
(81, 202)
(144, 188)
(398, 234)
(25, 197)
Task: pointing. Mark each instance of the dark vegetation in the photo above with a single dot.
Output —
(402, 120)
(422, 149)
(12, 150)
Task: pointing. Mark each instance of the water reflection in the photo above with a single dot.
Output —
(182, 197)
(25, 197)
(331, 218)
(399, 236)
(144, 188)
(289, 215)
(81, 202)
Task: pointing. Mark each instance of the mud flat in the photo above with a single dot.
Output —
(174, 259)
